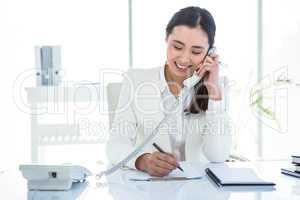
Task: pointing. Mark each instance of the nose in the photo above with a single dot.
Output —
(185, 58)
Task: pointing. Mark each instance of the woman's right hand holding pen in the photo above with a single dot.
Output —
(157, 163)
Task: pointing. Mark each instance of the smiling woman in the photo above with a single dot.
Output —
(189, 36)
(236, 42)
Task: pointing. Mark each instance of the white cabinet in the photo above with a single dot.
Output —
(57, 104)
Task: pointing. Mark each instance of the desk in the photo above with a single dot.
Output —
(13, 187)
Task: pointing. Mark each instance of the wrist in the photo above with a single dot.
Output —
(213, 90)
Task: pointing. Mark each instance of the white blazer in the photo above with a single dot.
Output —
(139, 111)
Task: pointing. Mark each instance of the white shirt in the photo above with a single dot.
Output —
(175, 106)
(133, 117)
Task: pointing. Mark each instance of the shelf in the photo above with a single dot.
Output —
(78, 93)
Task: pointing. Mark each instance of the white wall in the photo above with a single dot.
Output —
(93, 35)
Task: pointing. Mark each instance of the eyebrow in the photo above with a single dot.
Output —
(197, 47)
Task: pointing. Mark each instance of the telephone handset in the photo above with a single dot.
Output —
(194, 79)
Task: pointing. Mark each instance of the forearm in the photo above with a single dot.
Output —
(214, 91)
(218, 139)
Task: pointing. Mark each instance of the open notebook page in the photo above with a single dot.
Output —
(189, 172)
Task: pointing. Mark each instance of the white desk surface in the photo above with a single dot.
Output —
(13, 186)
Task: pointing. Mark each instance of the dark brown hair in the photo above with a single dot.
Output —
(194, 17)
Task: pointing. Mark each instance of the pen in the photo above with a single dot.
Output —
(162, 151)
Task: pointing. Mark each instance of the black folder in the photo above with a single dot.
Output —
(291, 172)
(226, 176)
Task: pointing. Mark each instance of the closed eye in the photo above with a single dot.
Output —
(196, 53)
(176, 47)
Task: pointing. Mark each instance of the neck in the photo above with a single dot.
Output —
(175, 83)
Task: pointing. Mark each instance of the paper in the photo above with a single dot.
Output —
(189, 173)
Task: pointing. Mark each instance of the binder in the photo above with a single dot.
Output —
(227, 176)
(296, 159)
(291, 172)
(295, 170)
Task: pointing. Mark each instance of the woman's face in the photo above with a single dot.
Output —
(186, 48)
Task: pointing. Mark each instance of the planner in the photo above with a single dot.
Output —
(224, 175)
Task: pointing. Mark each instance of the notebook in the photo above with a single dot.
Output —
(291, 172)
(223, 175)
(296, 159)
(189, 173)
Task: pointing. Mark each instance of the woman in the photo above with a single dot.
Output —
(149, 95)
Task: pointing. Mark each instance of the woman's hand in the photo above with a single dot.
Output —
(156, 164)
(211, 66)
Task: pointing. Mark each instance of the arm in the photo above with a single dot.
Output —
(218, 137)
(123, 138)
(124, 130)
(217, 140)
(210, 70)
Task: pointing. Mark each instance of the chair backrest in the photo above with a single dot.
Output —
(113, 93)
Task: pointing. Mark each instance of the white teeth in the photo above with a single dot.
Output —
(180, 66)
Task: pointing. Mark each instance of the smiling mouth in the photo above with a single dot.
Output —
(182, 67)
